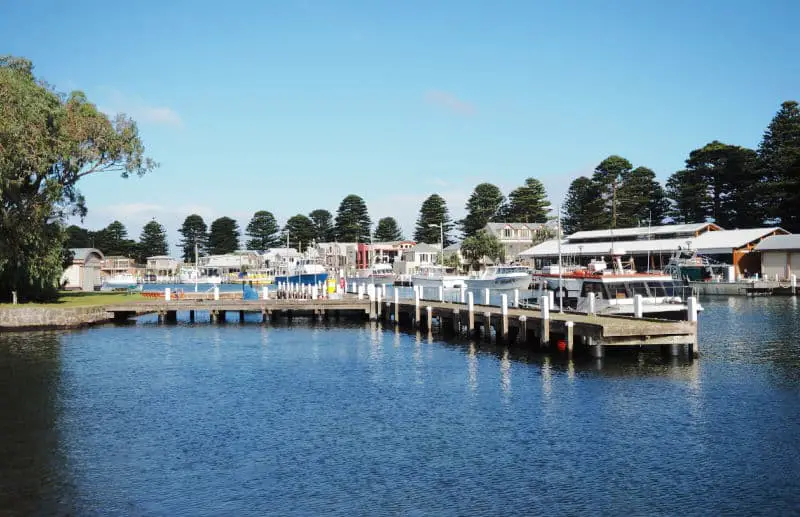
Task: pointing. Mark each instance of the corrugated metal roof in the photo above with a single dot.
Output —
(723, 241)
(639, 231)
(780, 242)
(515, 226)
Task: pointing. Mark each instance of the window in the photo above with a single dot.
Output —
(615, 291)
(639, 288)
(526, 234)
(507, 233)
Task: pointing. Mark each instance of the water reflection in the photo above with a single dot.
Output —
(505, 374)
(31, 461)
(472, 367)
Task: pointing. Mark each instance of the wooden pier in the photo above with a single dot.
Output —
(567, 331)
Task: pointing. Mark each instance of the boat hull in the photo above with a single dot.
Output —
(447, 282)
(302, 279)
(500, 283)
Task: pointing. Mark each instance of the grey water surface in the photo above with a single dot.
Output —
(355, 419)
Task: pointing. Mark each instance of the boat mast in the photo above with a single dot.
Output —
(560, 277)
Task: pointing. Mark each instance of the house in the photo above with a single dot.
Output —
(337, 255)
(416, 256)
(161, 268)
(117, 265)
(381, 252)
(780, 256)
(517, 237)
(84, 272)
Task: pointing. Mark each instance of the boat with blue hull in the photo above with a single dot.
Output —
(303, 272)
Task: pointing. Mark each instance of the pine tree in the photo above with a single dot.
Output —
(263, 231)
(583, 208)
(387, 230)
(690, 201)
(608, 178)
(640, 199)
(352, 220)
(193, 231)
(323, 225)
(779, 165)
(432, 213)
(223, 237)
(483, 206)
(301, 232)
(152, 241)
(78, 237)
(113, 240)
(528, 203)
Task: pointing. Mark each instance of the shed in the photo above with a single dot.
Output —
(780, 256)
(84, 272)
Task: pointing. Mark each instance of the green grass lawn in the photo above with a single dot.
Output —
(82, 299)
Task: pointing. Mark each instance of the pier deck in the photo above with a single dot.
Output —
(506, 324)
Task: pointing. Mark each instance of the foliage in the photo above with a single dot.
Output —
(583, 208)
(452, 260)
(263, 231)
(323, 225)
(48, 142)
(779, 166)
(641, 199)
(608, 178)
(352, 220)
(77, 237)
(193, 231)
(481, 246)
(113, 240)
(301, 231)
(483, 206)
(432, 213)
(152, 241)
(223, 236)
(388, 230)
(719, 184)
(528, 203)
(543, 234)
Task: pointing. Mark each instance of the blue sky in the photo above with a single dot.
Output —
(290, 106)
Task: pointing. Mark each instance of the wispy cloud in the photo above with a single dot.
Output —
(449, 102)
(141, 111)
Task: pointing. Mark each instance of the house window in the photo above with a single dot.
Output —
(525, 234)
(507, 233)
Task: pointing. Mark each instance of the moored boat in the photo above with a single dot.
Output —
(303, 272)
(121, 282)
(501, 278)
(438, 276)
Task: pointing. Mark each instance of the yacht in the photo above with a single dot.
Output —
(614, 290)
(303, 272)
(192, 275)
(501, 278)
(436, 276)
(120, 282)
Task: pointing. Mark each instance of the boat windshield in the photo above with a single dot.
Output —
(507, 270)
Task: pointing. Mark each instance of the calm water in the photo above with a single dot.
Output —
(307, 420)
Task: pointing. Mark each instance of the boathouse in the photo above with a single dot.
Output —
(651, 248)
(84, 272)
(780, 256)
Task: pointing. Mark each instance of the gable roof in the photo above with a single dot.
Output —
(779, 242)
(423, 247)
(642, 231)
(83, 253)
(514, 226)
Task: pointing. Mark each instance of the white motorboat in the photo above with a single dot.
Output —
(614, 290)
(120, 282)
(195, 276)
(501, 278)
(436, 276)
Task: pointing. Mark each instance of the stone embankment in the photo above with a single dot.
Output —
(25, 318)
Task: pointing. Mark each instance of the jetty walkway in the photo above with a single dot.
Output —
(541, 326)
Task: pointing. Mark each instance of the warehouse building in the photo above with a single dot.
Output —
(780, 256)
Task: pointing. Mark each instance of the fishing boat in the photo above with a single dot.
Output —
(614, 290)
(686, 264)
(121, 282)
(501, 278)
(438, 276)
(303, 272)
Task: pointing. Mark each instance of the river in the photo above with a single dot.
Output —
(312, 419)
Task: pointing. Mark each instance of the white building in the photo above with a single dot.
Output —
(84, 272)
(780, 256)
(517, 237)
(416, 256)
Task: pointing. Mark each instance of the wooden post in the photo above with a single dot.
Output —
(372, 315)
(504, 317)
(463, 294)
(429, 317)
(570, 336)
(793, 280)
(590, 298)
(396, 307)
(637, 306)
(241, 316)
(213, 316)
(161, 316)
(216, 293)
(516, 298)
(378, 307)
(441, 293)
(523, 329)
(264, 293)
(691, 309)
(191, 316)
(486, 296)
(487, 326)
(471, 312)
(167, 294)
(544, 337)
(416, 308)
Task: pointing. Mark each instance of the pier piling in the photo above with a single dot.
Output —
(544, 336)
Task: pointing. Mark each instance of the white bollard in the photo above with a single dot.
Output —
(416, 299)
(429, 317)
(486, 296)
(793, 280)
(360, 291)
(590, 299)
(691, 306)
(504, 304)
(167, 294)
(264, 293)
(441, 293)
(470, 302)
(463, 294)
(637, 306)
(216, 293)
(551, 298)
(314, 292)
(516, 297)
